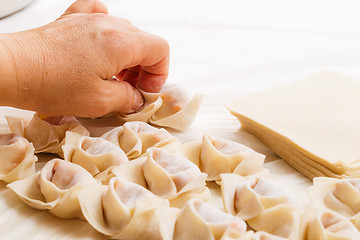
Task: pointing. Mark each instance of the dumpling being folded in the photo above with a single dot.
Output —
(46, 133)
(326, 224)
(199, 220)
(17, 159)
(125, 210)
(54, 188)
(136, 137)
(93, 154)
(172, 176)
(172, 107)
(339, 195)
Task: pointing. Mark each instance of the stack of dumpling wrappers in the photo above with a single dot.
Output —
(313, 124)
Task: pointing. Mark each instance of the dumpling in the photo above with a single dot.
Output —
(199, 220)
(230, 234)
(215, 156)
(17, 159)
(339, 195)
(247, 198)
(173, 107)
(329, 225)
(46, 133)
(54, 188)
(125, 210)
(224, 156)
(261, 204)
(172, 176)
(136, 137)
(93, 154)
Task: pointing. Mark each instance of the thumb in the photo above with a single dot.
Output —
(122, 97)
(86, 6)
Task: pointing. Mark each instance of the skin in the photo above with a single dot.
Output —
(67, 67)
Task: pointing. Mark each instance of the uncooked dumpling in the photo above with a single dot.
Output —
(199, 220)
(339, 195)
(54, 188)
(171, 107)
(224, 156)
(329, 225)
(136, 137)
(171, 175)
(248, 198)
(93, 154)
(17, 159)
(46, 133)
(117, 210)
(261, 204)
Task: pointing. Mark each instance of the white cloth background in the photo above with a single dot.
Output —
(219, 48)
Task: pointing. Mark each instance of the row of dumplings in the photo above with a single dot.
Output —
(144, 175)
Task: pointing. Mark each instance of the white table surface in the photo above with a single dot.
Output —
(219, 48)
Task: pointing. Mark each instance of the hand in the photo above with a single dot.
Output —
(64, 67)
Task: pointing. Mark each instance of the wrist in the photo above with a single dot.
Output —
(8, 76)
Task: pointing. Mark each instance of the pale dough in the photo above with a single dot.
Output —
(313, 124)
(172, 107)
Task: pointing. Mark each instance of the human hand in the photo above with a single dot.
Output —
(64, 67)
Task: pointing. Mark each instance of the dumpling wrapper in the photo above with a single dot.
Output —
(93, 154)
(223, 156)
(46, 133)
(17, 159)
(134, 138)
(313, 124)
(172, 176)
(199, 220)
(339, 195)
(54, 188)
(172, 107)
(125, 210)
(130, 171)
(248, 198)
(327, 224)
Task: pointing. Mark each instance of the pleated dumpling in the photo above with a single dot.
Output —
(248, 198)
(215, 156)
(93, 154)
(125, 210)
(171, 176)
(46, 133)
(329, 225)
(230, 234)
(199, 220)
(261, 204)
(136, 137)
(172, 107)
(54, 188)
(339, 195)
(17, 159)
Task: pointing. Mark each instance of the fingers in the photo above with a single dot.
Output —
(86, 6)
(147, 51)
